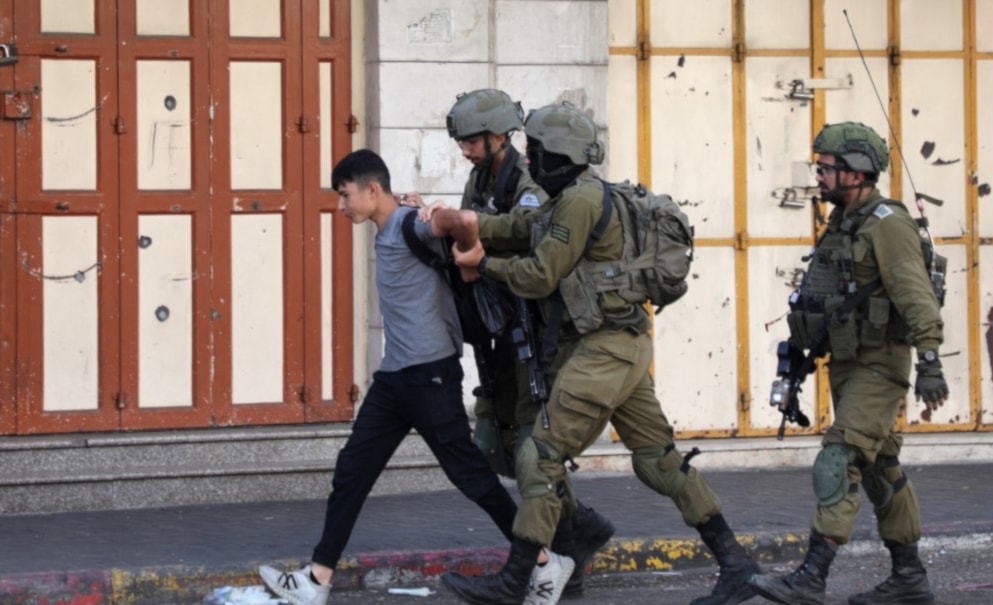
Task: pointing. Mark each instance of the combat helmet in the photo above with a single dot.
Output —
(486, 110)
(857, 144)
(565, 130)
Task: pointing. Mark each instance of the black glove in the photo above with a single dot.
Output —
(931, 385)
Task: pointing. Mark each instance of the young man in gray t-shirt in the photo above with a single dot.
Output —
(418, 386)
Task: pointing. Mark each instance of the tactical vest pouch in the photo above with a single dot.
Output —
(875, 318)
(581, 301)
(842, 332)
(803, 326)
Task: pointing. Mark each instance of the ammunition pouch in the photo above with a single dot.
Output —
(804, 325)
(582, 304)
(842, 331)
(875, 318)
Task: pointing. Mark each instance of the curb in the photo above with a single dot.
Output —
(189, 584)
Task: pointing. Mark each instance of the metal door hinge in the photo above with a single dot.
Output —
(303, 124)
(352, 124)
(740, 240)
(644, 50)
(305, 393)
(120, 400)
(739, 52)
(120, 127)
(894, 53)
(353, 393)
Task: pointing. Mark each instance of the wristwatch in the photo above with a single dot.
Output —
(481, 267)
(929, 356)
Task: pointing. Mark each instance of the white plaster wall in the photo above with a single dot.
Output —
(417, 56)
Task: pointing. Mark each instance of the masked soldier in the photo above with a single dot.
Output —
(601, 374)
(482, 122)
(870, 251)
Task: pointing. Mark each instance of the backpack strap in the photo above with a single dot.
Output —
(418, 247)
(505, 188)
(556, 310)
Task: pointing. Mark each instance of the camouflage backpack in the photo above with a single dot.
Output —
(658, 247)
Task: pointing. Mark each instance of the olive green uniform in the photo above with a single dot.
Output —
(869, 371)
(600, 376)
(508, 380)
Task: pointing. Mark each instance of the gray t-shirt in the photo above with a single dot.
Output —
(419, 315)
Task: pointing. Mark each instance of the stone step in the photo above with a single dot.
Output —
(63, 473)
(140, 470)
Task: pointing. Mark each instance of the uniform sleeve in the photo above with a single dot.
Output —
(507, 232)
(896, 244)
(470, 184)
(559, 251)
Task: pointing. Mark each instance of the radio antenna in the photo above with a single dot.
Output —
(919, 198)
(889, 123)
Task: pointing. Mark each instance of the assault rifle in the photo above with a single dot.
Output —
(525, 338)
(793, 366)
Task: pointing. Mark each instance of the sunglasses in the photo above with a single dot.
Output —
(823, 168)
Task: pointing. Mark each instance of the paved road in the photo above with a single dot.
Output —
(961, 574)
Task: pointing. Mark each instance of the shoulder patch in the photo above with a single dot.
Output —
(529, 200)
(559, 232)
(882, 211)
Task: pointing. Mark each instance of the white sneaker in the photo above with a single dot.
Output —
(549, 580)
(295, 586)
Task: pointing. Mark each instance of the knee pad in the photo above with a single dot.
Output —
(882, 479)
(532, 481)
(660, 468)
(831, 473)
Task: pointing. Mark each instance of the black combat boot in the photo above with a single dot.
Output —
(736, 567)
(579, 538)
(908, 584)
(807, 584)
(509, 586)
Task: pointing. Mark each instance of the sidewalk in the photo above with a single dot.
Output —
(179, 555)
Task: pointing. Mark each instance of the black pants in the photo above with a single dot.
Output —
(427, 398)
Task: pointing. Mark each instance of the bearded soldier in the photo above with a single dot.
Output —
(482, 123)
(871, 252)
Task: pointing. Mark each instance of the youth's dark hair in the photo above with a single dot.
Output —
(361, 167)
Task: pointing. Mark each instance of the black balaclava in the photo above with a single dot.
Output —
(553, 172)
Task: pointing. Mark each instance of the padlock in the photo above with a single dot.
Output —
(8, 54)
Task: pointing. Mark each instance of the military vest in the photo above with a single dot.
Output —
(828, 282)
